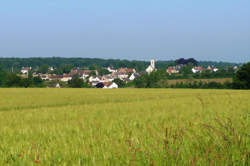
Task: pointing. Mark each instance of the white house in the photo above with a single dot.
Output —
(111, 70)
(44, 77)
(66, 77)
(151, 67)
(110, 85)
(133, 76)
(197, 69)
(215, 69)
(25, 70)
(94, 79)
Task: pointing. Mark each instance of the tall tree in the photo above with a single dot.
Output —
(120, 83)
(38, 82)
(44, 68)
(13, 80)
(242, 77)
(3, 76)
(76, 82)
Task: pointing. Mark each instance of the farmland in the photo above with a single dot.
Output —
(124, 127)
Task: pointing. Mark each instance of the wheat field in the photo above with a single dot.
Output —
(124, 127)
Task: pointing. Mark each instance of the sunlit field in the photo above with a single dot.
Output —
(124, 127)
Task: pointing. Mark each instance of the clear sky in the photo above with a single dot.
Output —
(217, 30)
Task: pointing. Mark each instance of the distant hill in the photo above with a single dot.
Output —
(17, 63)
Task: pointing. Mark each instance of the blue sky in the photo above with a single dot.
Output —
(217, 30)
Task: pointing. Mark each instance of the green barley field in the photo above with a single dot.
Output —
(127, 127)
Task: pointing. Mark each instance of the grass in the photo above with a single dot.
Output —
(124, 127)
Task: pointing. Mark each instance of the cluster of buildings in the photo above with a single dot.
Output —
(107, 81)
(196, 69)
(93, 77)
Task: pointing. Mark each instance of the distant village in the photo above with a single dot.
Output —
(107, 80)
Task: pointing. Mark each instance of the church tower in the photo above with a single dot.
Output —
(151, 67)
(153, 63)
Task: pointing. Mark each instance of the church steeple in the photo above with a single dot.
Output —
(153, 63)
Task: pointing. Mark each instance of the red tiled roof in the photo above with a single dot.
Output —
(126, 70)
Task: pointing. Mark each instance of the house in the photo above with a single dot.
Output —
(51, 69)
(111, 70)
(83, 73)
(197, 69)
(122, 76)
(94, 79)
(126, 70)
(134, 76)
(55, 77)
(25, 70)
(151, 67)
(44, 76)
(172, 70)
(126, 80)
(107, 78)
(212, 69)
(95, 83)
(110, 85)
(66, 77)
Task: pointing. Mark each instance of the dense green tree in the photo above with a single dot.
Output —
(3, 76)
(38, 82)
(44, 68)
(242, 77)
(76, 82)
(187, 69)
(64, 68)
(25, 82)
(102, 72)
(13, 80)
(92, 73)
(152, 80)
(120, 83)
(93, 67)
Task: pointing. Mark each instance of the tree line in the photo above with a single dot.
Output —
(15, 64)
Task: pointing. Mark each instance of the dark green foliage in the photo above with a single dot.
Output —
(3, 76)
(93, 67)
(13, 80)
(187, 69)
(242, 77)
(64, 68)
(120, 83)
(222, 73)
(38, 82)
(152, 80)
(77, 82)
(92, 73)
(17, 63)
(44, 68)
(183, 61)
(25, 82)
(102, 72)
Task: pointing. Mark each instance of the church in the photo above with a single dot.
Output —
(151, 67)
